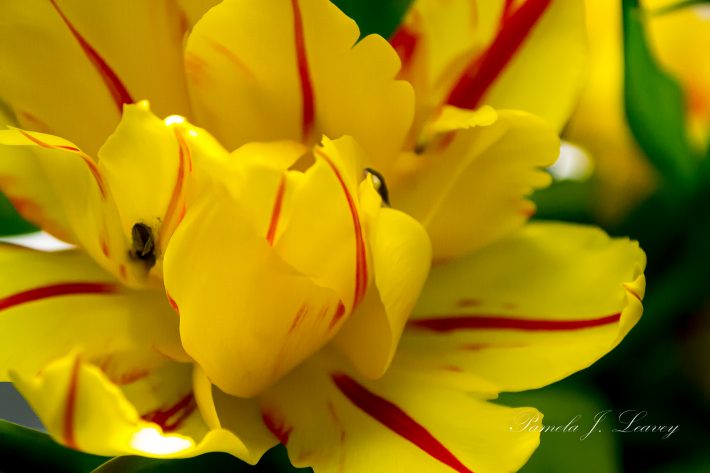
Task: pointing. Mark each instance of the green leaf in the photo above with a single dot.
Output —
(568, 404)
(10, 221)
(23, 450)
(274, 461)
(655, 106)
(375, 16)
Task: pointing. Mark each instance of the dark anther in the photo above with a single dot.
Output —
(380, 185)
(143, 244)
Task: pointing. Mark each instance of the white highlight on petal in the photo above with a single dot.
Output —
(573, 164)
(41, 241)
(151, 440)
(703, 11)
(174, 120)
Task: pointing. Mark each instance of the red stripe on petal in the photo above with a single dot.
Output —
(171, 217)
(70, 407)
(394, 418)
(472, 322)
(405, 42)
(300, 315)
(56, 290)
(276, 212)
(308, 114)
(339, 313)
(170, 419)
(89, 162)
(484, 70)
(360, 252)
(118, 91)
(277, 427)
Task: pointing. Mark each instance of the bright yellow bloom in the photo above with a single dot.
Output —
(269, 294)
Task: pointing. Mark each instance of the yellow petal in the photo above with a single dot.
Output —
(143, 178)
(531, 309)
(292, 70)
(229, 312)
(28, 189)
(86, 60)
(401, 255)
(326, 209)
(76, 189)
(51, 303)
(435, 42)
(154, 415)
(469, 188)
(334, 421)
(541, 40)
(237, 415)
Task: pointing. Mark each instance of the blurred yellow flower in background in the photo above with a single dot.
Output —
(623, 175)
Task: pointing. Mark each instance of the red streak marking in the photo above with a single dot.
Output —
(360, 254)
(339, 313)
(453, 323)
(303, 72)
(118, 91)
(122, 271)
(277, 427)
(104, 248)
(231, 57)
(131, 377)
(404, 41)
(36, 123)
(70, 405)
(171, 418)
(336, 420)
(469, 302)
(394, 418)
(507, 12)
(183, 156)
(300, 315)
(56, 290)
(276, 212)
(483, 71)
(172, 303)
(92, 166)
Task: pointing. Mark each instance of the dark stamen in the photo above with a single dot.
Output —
(143, 244)
(380, 185)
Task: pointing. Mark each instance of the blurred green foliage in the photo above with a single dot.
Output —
(23, 450)
(10, 222)
(655, 106)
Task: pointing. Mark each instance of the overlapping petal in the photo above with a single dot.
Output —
(102, 366)
(87, 60)
(526, 55)
(469, 187)
(294, 69)
(529, 310)
(142, 177)
(315, 238)
(334, 421)
(28, 189)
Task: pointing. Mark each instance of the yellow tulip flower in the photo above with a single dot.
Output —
(269, 294)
